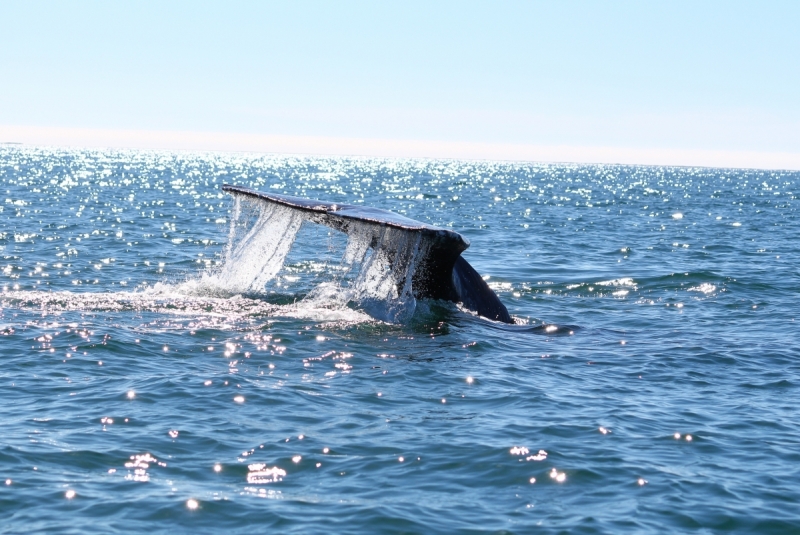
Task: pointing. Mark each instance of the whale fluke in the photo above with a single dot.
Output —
(437, 269)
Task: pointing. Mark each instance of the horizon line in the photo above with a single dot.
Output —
(177, 140)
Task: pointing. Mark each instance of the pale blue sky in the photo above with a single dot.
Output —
(677, 75)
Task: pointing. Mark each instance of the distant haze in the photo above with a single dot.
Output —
(682, 83)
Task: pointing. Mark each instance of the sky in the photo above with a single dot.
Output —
(680, 83)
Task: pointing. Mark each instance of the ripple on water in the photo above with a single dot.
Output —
(140, 389)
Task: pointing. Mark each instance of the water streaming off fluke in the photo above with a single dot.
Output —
(372, 271)
(389, 261)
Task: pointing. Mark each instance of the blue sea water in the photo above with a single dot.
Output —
(649, 385)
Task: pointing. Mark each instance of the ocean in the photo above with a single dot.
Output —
(164, 370)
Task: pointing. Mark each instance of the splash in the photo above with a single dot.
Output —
(384, 284)
(259, 239)
(372, 273)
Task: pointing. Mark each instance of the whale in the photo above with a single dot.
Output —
(437, 269)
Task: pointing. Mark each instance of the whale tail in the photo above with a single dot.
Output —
(431, 258)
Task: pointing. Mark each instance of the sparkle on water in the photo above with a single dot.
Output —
(141, 307)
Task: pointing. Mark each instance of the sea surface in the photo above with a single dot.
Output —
(160, 374)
